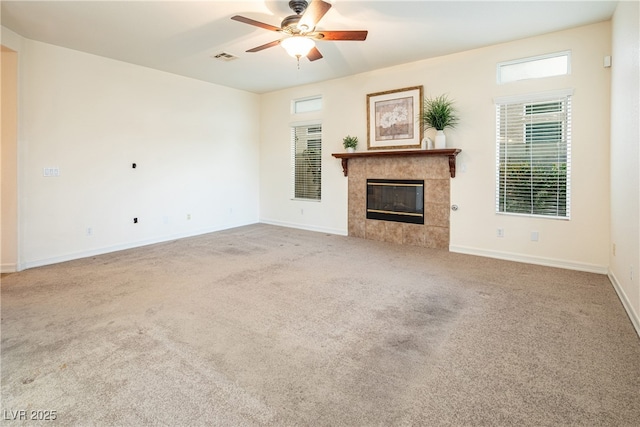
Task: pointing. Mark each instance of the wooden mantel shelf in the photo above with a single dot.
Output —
(451, 153)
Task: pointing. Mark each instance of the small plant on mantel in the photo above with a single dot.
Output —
(350, 143)
(438, 113)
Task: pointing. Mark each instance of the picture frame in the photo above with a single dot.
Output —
(392, 119)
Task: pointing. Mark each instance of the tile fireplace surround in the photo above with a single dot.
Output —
(435, 167)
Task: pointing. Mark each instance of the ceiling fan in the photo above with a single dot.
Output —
(301, 30)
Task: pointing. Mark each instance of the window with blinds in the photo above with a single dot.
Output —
(306, 153)
(534, 156)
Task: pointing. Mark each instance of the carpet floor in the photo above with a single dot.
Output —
(270, 326)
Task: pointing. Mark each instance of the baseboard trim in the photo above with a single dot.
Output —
(304, 227)
(633, 316)
(124, 246)
(8, 267)
(548, 262)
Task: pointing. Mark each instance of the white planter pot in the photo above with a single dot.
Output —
(350, 149)
(441, 140)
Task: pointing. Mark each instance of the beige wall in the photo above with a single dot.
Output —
(580, 243)
(92, 118)
(624, 267)
(9, 161)
(469, 78)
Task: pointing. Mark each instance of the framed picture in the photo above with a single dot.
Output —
(392, 120)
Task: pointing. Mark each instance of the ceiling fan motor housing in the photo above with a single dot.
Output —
(290, 23)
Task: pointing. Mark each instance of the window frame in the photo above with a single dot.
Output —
(295, 193)
(531, 59)
(525, 101)
(301, 101)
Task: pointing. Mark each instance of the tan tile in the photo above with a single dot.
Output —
(437, 237)
(356, 169)
(436, 214)
(437, 167)
(436, 191)
(413, 234)
(374, 230)
(356, 228)
(413, 167)
(393, 232)
(394, 170)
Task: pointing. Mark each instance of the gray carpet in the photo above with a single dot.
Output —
(263, 325)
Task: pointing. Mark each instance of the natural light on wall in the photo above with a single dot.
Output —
(554, 64)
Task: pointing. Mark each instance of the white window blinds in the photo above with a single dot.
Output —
(306, 153)
(534, 156)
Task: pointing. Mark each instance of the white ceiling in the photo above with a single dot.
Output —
(182, 36)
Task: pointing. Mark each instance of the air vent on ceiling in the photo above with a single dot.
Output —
(224, 56)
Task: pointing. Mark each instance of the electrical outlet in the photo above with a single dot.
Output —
(135, 220)
(188, 217)
(535, 236)
(89, 231)
(500, 232)
(51, 171)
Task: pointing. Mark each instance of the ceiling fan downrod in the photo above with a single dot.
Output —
(298, 6)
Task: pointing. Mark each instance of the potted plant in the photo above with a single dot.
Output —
(438, 113)
(350, 143)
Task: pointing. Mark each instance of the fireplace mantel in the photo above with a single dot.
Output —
(451, 153)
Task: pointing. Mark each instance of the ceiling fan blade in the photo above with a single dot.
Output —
(264, 46)
(314, 13)
(255, 23)
(314, 54)
(342, 35)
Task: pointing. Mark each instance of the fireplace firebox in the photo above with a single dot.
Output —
(398, 200)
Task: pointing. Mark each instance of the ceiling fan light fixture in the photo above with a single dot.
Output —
(297, 46)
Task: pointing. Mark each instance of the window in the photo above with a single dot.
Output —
(554, 64)
(306, 105)
(533, 164)
(306, 148)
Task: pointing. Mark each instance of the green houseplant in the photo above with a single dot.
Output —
(440, 114)
(350, 142)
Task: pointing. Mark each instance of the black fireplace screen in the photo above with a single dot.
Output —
(399, 200)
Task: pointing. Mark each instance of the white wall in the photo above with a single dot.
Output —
(469, 78)
(195, 148)
(9, 161)
(625, 158)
